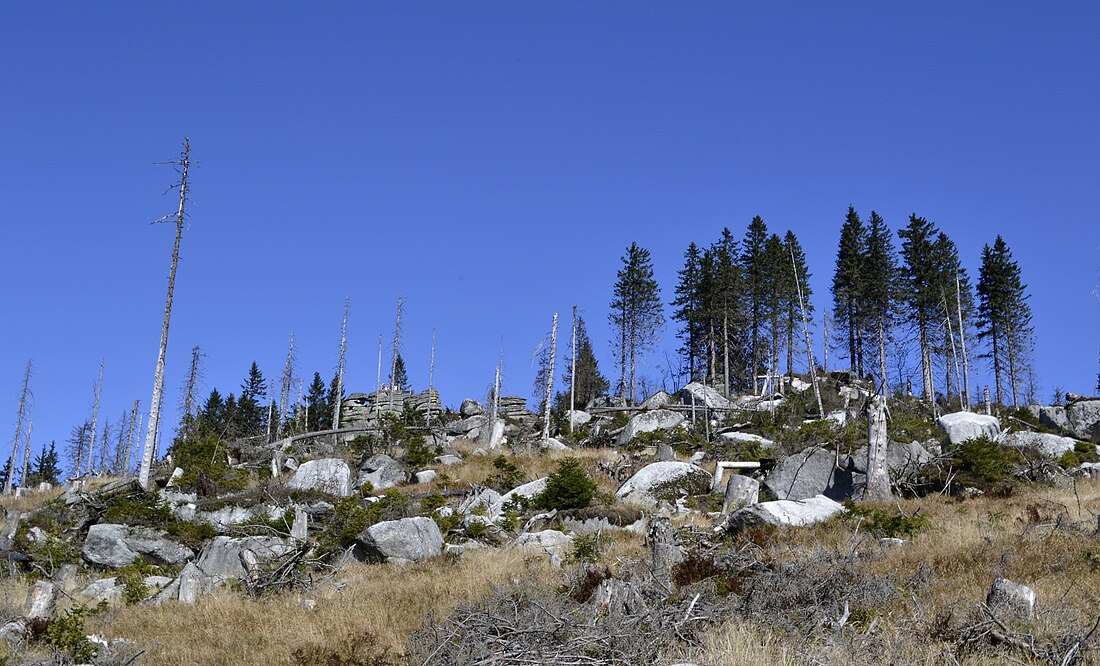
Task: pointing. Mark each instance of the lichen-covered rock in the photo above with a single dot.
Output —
(660, 419)
(382, 472)
(470, 407)
(1051, 446)
(401, 541)
(1007, 596)
(814, 471)
(664, 481)
(658, 400)
(327, 475)
(112, 545)
(552, 542)
(526, 491)
(959, 427)
(702, 395)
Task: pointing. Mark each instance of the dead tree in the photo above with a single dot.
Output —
(340, 369)
(396, 347)
(187, 400)
(962, 342)
(573, 374)
(878, 475)
(95, 418)
(431, 376)
(806, 333)
(182, 164)
(26, 454)
(550, 382)
(24, 395)
(286, 386)
(378, 381)
(130, 437)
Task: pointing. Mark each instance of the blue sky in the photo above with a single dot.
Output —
(491, 162)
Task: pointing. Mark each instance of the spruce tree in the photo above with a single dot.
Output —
(400, 374)
(318, 412)
(636, 314)
(251, 410)
(1004, 316)
(794, 262)
(847, 281)
(46, 468)
(920, 292)
(778, 278)
(726, 311)
(754, 272)
(590, 382)
(688, 310)
(878, 289)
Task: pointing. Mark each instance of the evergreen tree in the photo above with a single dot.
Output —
(847, 280)
(6, 471)
(1004, 316)
(590, 382)
(798, 280)
(46, 467)
(726, 312)
(636, 313)
(777, 277)
(331, 401)
(947, 269)
(754, 271)
(878, 290)
(211, 419)
(400, 375)
(920, 290)
(251, 410)
(688, 310)
(318, 410)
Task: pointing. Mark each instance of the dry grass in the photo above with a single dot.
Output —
(32, 500)
(367, 608)
(475, 470)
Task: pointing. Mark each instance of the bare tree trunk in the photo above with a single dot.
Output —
(550, 382)
(711, 344)
(158, 374)
(573, 373)
(336, 408)
(431, 376)
(24, 394)
(878, 476)
(725, 354)
(882, 355)
(271, 429)
(286, 386)
(192, 381)
(954, 356)
(95, 418)
(378, 380)
(130, 437)
(396, 348)
(825, 342)
(962, 342)
(27, 454)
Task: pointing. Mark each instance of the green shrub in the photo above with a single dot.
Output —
(147, 509)
(67, 635)
(983, 460)
(1082, 452)
(586, 549)
(506, 476)
(205, 465)
(567, 488)
(476, 529)
(883, 523)
(433, 502)
(417, 453)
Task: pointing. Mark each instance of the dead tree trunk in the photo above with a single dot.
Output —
(24, 394)
(130, 439)
(286, 386)
(962, 342)
(806, 334)
(192, 381)
(573, 373)
(396, 348)
(550, 382)
(95, 418)
(878, 475)
(431, 376)
(378, 380)
(340, 369)
(27, 454)
(183, 164)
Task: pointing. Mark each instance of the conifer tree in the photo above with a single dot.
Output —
(688, 310)
(319, 414)
(251, 411)
(589, 381)
(878, 289)
(725, 310)
(636, 314)
(949, 273)
(754, 274)
(47, 467)
(847, 280)
(1004, 316)
(778, 278)
(794, 267)
(400, 377)
(920, 293)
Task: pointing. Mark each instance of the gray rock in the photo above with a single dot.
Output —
(526, 491)
(448, 459)
(113, 545)
(491, 436)
(470, 407)
(648, 422)
(382, 472)
(1054, 417)
(467, 424)
(811, 472)
(219, 563)
(552, 542)
(665, 453)
(701, 395)
(578, 417)
(959, 427)
(736, 438)
(487, 498)
(790, 513)
(552, 444)
(400, 541)
(14, 631)
(898, 456)
(658, 400)
(327, 475)
(664, 481)
(1051, 446)
(425, 476)
(1007, 596)
(1084, 419)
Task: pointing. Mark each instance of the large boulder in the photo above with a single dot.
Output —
(959, 427)
(1054, 417)
(382, 472)
(702, 395)
(470, 407)
(468, 424)
(401, 541)
(658, 400)
(526, 491)
(664, 481)
(1051, 446)
(792, 513)
(327, 475)
(577, 417)
(898, 456)
(738, 438)
(220, 563)
(552, 542)
(814, 471)
(112, 545)
(659, 419)
(1084, 419)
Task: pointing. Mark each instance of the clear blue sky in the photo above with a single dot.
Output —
(491, 161)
